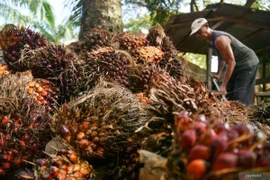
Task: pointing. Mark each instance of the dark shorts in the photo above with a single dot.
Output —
(241, 85)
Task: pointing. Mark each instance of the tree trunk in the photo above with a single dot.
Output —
(101, 13)
(249, 3)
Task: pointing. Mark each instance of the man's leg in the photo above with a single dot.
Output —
(244, 86)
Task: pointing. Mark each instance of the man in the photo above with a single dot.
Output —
(242, 63)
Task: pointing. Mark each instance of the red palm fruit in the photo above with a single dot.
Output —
(54, 171)
(263, 161)
(85, 170)
(244, 129)
(83, 143)
(219, 144)
(225, 160)
(4, 120)
(65, 132)
(221, 128)
(181, 120)
(2, 172)
(199, 127)
(246, 159)
(188, 138)
(196, 169)
(73, 158)
(76, 167)
(200, 152)
(62, 176)
(80, 135)
(5, 157)
(84, 126)
(5, 165)
(207, 137)
(78, 175)
(201, 118)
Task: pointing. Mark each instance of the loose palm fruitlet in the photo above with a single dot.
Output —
(209, 149)
(44, 92)
(65, 165)
(14, 39)
(4, 70)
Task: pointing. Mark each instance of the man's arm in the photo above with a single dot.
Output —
(223, 44)
(221, 65)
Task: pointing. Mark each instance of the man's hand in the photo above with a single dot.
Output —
(223, 89)
(216, 76)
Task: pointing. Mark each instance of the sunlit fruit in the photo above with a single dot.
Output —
(196, 169)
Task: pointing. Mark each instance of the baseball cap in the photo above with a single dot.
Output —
(197, 24)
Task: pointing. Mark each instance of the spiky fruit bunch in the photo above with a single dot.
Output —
(111, 64)
(59, 65)
(91, 40)
(130, 42)
(4, 70)
(102, 123)
(14, 39)
(173, 65)
(44, 92)
(148, 54)
(214, 149)
(66, 164)
(156, 35)
(139, 77)
(25, 124)
(127, 165)
(49, 62)
(97, 37)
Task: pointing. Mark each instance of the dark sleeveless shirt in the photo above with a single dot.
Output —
(244, 56)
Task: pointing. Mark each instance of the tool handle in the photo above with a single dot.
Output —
(216, 84)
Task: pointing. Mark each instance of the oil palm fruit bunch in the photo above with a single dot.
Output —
(91, 40)
(173, 65)
(65, 164)
(130, 42)
(14, 39)
(126, 167)
(59, 65)
(139, 77)
(156, 35)
(148, 54)
(215, 150)
(44, 92)
(102, 123)
(4, 70)
(111, 64)
(25, 124)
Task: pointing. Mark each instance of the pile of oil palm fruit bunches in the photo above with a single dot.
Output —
(106, 97)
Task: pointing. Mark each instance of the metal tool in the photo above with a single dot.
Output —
(216, 84)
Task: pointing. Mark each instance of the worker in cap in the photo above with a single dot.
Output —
(240, 61)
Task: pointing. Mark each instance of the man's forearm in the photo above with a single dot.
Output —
(228, 74)
(221, 66)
